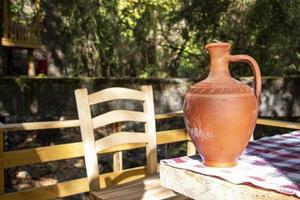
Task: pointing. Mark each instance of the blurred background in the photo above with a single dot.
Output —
(158, 38)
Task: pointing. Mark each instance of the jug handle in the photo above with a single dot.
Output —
(255, 70)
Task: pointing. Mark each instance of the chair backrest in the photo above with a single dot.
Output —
(88, 124)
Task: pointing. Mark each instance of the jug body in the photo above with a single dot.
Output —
(220, 112)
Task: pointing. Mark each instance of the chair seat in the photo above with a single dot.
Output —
(146, 189)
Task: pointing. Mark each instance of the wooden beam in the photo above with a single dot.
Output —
(39, 125)
(8, 42)
(171, 136)
(169, 115)
(260, 121)
(75, 123)
(278, 123)
(75, 150)
(42, 154)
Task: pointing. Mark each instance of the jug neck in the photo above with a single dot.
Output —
(219, 53)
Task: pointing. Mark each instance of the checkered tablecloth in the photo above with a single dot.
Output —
(270, 163)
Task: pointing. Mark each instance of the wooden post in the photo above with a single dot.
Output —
(191, 150)
(117, 156)
(1, 163)
(150, 129)
(88, 138)
(30, 62)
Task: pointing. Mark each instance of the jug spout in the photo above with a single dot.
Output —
(219, 54)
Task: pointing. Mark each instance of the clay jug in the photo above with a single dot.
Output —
(220, 112)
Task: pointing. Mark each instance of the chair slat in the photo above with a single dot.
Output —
(121, 138)
(115, 94)
(118, 116)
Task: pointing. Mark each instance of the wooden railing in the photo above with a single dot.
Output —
(23, 33)
(74, 150)
(19, 35)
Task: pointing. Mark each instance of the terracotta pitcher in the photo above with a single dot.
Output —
(220, 112)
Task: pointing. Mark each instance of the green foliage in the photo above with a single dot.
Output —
(22, 11)
(166, 38)
(268, 30)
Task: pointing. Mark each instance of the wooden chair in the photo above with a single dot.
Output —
(147, 188)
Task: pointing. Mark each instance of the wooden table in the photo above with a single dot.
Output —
(270, 162)
(198, 186)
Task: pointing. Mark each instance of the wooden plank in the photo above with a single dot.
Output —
(121, 138)
(88, 138)
(74, 150)
(20, 44)
(75, 123)
(57, 124)
(50, 192)
(2, 185)
(56, 152)
(39, 125)
(169, 115)
(150, 129)
(202, 187)
(114, 94)
(260, 121)
(171, 136)
(278, 123)
(42, 154)
(76, 186)
(118, 116)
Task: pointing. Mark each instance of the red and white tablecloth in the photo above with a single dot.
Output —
(270, 163)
